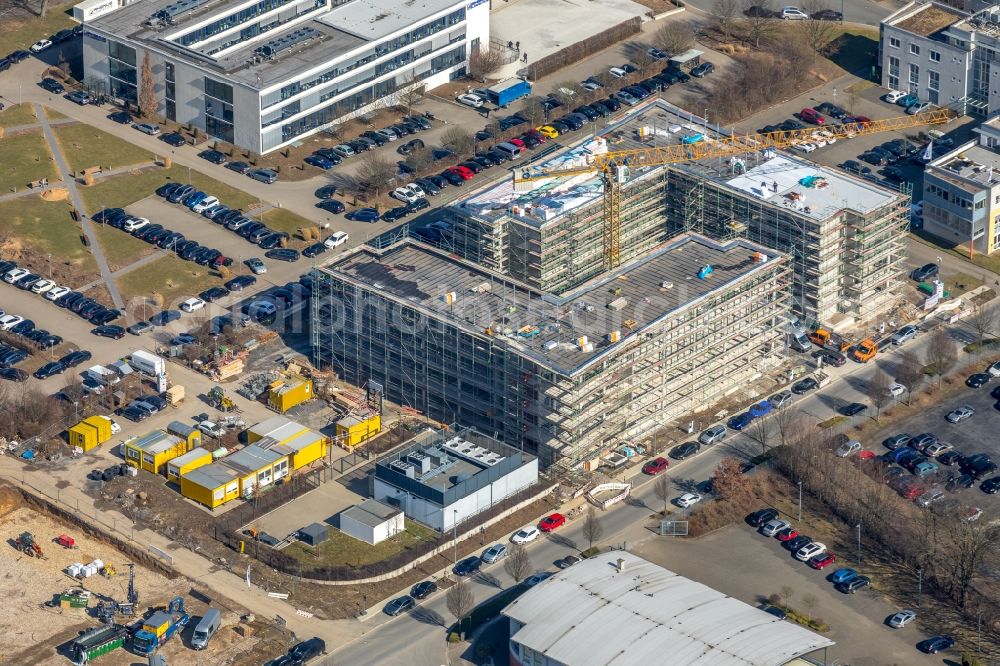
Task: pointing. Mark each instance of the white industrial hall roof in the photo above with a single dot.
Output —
(591, 614)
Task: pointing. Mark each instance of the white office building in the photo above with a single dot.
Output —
(263, 74)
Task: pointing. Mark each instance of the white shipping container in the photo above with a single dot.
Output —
(98, 564)
(74, 569)
(151, 364)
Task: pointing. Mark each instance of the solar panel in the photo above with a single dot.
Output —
(179, 7)
(287, 42)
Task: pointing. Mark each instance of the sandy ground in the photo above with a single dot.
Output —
(33, 632)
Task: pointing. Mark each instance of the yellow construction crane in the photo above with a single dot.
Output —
(615, 165)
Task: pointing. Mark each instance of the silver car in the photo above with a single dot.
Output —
(779, 400)
(905, 334)
(772, 527)
(494, 553)
(713, 435)
(960, 414)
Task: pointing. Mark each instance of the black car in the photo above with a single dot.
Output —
(853, 585)
(314, 250)
(17, 56)
(379, 139)
(804, 386)
(951, 458)
(853, 409)
(410, 146)
(134, 413)
(686, 450)
(795, 544)
(990, 486)
(453, 178)
(530, 140)
(173, 139)
(213, 294)
(157, 236)
(894, 173)
(704, 69)
(156, 401)
(418, 205)
(429, 186)
(469, 565)
(271, 240)
(164, 317)
(240, 282)
(924, 273)
(49, 369)
(103, 216)
(306, 650)
(589, 111)
(831, 110)
(23, 328)
(13, 374)
(53, 86)
(397, 213)
(105, 317)
(761, 516)
(121, 117)
(827, 15)
(326, 192)
(113, 332)
(73, 359)
(399, 605)
(830, 357)
(935, 644)
(474, 167)
(283, 254)
(977, 380)
(422, 590)
(213, 156)
(484, 161)
(856, 167)
(239, 167)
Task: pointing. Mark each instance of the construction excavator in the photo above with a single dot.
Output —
(27, 544)
(615, 165)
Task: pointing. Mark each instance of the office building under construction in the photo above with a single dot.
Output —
(563, 376)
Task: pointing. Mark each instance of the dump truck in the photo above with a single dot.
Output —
(865, 351)
(159, 627)
(97, 642)
(828, 340)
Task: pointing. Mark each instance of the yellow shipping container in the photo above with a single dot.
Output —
(302, 445)
(153, 450)
(83, 435)
(353, 430)
(191, 460)
(212, 485)
(284, 394)
(103, 425)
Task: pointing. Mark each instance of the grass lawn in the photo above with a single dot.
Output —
(26, 158)
(282, 219)
(47, 228)
(86, 146)
(18, 114)
(120, 248)
(124, 189)
(20, 32)
(52, 114)
(171, 277)
(343, 550)
(853, 48)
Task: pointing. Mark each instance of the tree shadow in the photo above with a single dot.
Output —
(427, 616)
(854, 53)
(687, 485)
(561, 540)
(632, 500)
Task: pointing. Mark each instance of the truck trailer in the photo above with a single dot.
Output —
(511, 90)
(97, 642)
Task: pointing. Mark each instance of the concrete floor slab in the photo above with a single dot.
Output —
(317, 506)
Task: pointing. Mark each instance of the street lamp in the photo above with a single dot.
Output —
(859, 544)
(454, 538)
(800, 501)
(920, 584)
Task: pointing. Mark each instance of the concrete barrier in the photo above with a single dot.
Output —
(625, 489)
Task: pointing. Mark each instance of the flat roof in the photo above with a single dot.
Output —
(371, 512)
(375, 19)
(971, 162)
(155, 442)
(590, 615)
(212, 475)
(293, 445)
(546, 327)
(252, 459)
(928, 19)
(193, 454)
(267, 426)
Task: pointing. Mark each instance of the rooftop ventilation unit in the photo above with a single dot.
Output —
(275, 47)
(404, 467)
(177, 8)
(421, 461)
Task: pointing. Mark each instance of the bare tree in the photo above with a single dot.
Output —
(460, 602)
(420, 159)
(457, 140)
(592, 528)
(983, 321)
(567, 92)
(760, 433)
(148, 105)
(517, 564)
(674, 38)
(818, 33)
(810, 602)
(761, 20)
(643, 61)
(484, 62)
(724, 13)
(533, 111)
(376, 173)
(878, 391)
(942, 353)
(661, 487)
(412, 93)
(910, 372)
(791, 425)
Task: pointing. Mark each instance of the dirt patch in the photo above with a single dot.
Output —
(56, 194)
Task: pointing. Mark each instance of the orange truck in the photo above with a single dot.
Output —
(865, 351)
(827, 340)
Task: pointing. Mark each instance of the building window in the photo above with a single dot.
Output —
(170, 91)
(894, 83)
(219, 109)
(935, 56)
(894, 42)
(894, 66)
(121, 69)
(933, 80)
(914, 49)
(914, 78)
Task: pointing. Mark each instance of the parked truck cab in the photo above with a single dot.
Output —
(865, 351)
(206, 628)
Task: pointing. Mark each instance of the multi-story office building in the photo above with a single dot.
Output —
(944, 55)
(561, 376)
(265, 73)
(962, 193)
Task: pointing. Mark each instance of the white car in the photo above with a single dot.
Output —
(793, 14)
(772, 527)
(205, 204)
(896, 389)
(134, 223)
(115, 428)
(826, 136)
(817, 140)
(192, 304)
(40, 45)
(343, 150)
(907, 333)
(42, 286)
(848, 448)
(893, 96)
(938, 448)
(994, 369)
(408, 193)
(902, 618)
(15, 274)
(475, 101)
(806, 147)
(810, 550)
(57, 291)
(525, 535)
(618, 72)
(335, 239)
(688, 499)
(535, 579)
(8, 322)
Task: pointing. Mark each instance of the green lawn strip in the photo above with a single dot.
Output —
(52, 114)
(343, 550)
(489, 609)
(25, 158)
(852, 47)
(47, 228)
(120, 248)
(171, 277)
(126, 188)
(282, 219)
(17, 114)
(86, 146)
(20, 34)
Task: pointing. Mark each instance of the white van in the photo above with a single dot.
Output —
(508, 149)
(206, 628)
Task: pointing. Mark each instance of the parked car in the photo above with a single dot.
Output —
(552, 522)
(494, 553)
(713, 435)
(936, 644)
(468, 566)
(702, 70)
(805, 385)
(793, 14)
(684, 451)
(761, 516)
(810, 550)
(854, 584)
(687, 500)
(853, 409)
(843, 576)
(654, 467)
(525, 535)
(147, 128)
(773, 527)
(960, 414)
(399, 605)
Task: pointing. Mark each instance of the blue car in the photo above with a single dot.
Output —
(194, 198)
(363, 215)
(762, 408)
(319, 161)
(740, 421)
(901, 454)
(843, 576)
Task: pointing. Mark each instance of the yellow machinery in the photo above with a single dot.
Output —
(615, 165)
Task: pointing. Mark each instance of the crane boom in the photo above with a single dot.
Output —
(698, 147)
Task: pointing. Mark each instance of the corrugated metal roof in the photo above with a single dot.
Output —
(156, 441)
(212, 476)
(590, 614)
(267, 426)
(190, 456)
(252, 459)
(294, 445)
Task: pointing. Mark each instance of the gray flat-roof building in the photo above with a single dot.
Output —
(444, 477)
(372, 521)
(264, 74)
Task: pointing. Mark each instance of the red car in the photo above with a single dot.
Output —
(787, 534)
(822, 561)
(517, 142)
(550, 523)
(812, 116)
(654, 467)
(462, 172)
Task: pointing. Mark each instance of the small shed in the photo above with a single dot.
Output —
(687, 60)
(314, 535)
(372, 521)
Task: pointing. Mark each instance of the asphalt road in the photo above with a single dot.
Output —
(854, 11)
